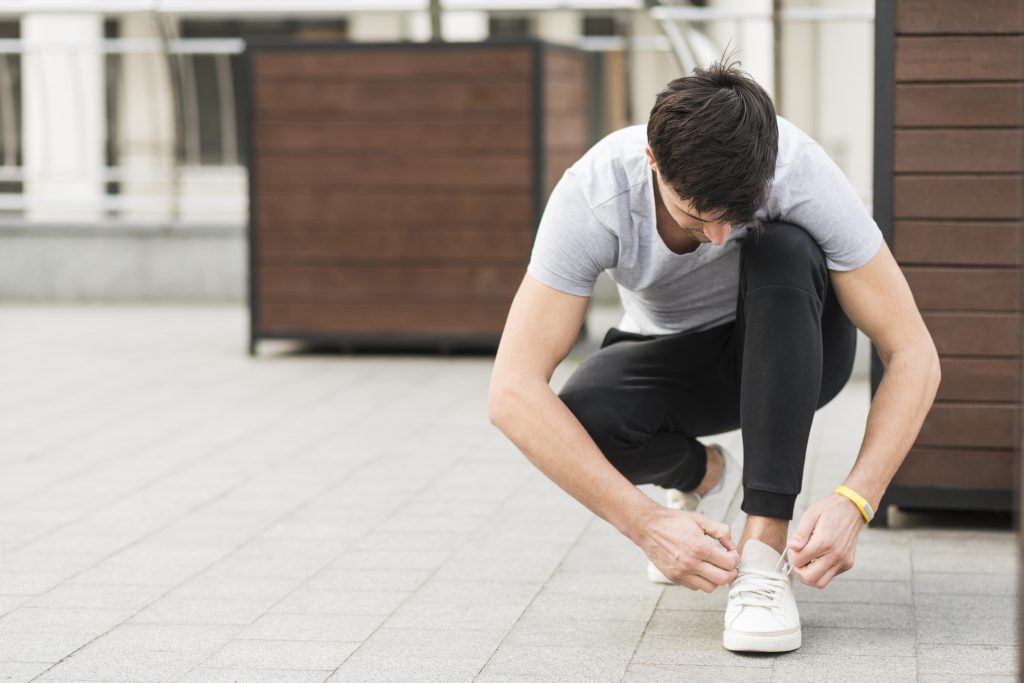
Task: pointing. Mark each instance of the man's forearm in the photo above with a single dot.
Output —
(551, 437)
(904, 397)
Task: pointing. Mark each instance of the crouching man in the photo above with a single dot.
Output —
(745, 262)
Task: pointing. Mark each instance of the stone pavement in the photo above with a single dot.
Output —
(174, 510)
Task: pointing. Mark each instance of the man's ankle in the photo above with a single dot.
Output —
(768, 530)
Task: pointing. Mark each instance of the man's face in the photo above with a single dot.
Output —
(697, 226)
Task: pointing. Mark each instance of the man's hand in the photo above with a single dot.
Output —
(825, 540)
(681, 546)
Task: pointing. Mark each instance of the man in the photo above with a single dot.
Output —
(744, 259)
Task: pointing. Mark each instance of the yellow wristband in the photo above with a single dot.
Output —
(863, 505)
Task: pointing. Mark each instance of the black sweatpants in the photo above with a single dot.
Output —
(645, 399)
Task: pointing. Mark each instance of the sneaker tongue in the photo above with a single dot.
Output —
(758, 555)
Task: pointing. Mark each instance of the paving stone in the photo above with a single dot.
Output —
(172, 609)
(373, 669)
(963, 678)
(556, 664)
(309, 601)
(43, 619)
(440, 643)
(435, 614)
(281, 654)
(95, 596)
(963, 562)
(954, 583)
(800, 668)
(594, 633)
(673, 673)
(133, 637)
(391, 559)
(968, 629)
(379, 579)
(699, 649)
(19, 672)
(865, 592)
(886, 642)
(211, 675)
(136, 666)
(333, 627)
(967, 659)
(856, 615)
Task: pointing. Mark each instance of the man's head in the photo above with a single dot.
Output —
(712, 140)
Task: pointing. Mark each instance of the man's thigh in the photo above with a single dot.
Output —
(635, 386)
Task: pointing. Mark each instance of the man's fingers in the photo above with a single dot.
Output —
(814, 571)
(715, 575)
(717, 530)
(720, 557)
(697, 583)
(803, 531)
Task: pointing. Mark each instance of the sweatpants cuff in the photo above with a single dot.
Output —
(768, 504)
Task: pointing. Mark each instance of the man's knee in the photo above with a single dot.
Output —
(784, 253)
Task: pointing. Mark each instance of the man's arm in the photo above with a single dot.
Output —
(542, 326)
(878, 300)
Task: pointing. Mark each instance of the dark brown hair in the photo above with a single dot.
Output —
(714, 137)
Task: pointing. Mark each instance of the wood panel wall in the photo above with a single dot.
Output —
(396, 188)
(957, 219)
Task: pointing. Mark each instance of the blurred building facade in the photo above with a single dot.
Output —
(123, 144)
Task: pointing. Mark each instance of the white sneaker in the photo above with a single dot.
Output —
(677, 500)
(761, 615)
(720, 503)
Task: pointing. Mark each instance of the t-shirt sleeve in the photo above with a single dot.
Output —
(572, 246)
(820, 199)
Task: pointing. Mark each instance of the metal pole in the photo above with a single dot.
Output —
(777, 52)
(435, 21)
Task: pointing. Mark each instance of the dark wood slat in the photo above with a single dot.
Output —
(411, 99)
(958, 16)
(393, 139)
(385, 284)
(959, 196)
(959, 58)
(973, 289)
(959, 151)
(962, 243)
(975, 334)
(567, 132)
(379, 246)
(495, 173)
(557, 163)
(957, 468)
(394, 64)
(979, 379)
(971, 425)
(963, 105)
(409, 214)
(563, 65)
(368, 318)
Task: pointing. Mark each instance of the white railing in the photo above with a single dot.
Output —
(164, 170)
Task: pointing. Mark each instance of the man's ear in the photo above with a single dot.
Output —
(650, 159)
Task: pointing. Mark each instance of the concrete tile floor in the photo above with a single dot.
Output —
(174, 510)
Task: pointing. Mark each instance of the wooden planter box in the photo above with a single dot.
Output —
(948, 164)
(395, 189)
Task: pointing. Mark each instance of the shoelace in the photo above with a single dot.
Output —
(759, 588)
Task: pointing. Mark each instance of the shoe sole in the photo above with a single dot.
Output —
(746, 642)
(656, 576)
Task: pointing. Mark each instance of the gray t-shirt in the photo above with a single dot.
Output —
(601, 216)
